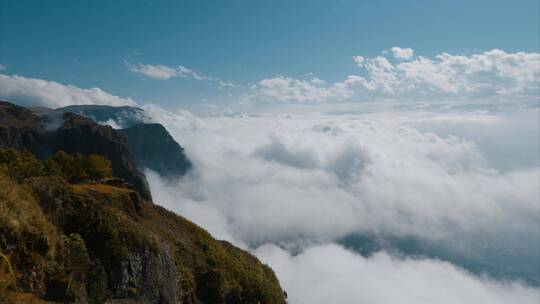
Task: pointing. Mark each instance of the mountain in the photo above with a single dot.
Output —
(100, 242)
(123, 117)
(71, 233)
(152, 146)
(45, 132)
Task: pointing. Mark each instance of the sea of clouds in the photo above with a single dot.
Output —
(447, 197)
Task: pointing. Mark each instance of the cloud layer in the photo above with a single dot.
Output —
(39, 92)
(405, 76)
(302, 182)
(338, 175)
(331, 274)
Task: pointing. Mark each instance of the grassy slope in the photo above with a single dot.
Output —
(57, 242)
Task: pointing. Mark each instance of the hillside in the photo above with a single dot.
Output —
(46, 132)
(90, 241)
(79, 227)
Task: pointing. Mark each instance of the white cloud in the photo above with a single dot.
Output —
(163, 72)
(228, 84)
(331, 274)
(336, 177)
(317, 81)
(39, 92)
(489, 74)
(305, 180)
(486, 74)
(300, 179)
(286, 89)
(187, 73)
(402, 53)
(359, 60)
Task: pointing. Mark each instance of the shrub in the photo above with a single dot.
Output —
(21, 164)
(97, 167)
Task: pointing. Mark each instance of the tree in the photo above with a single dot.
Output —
(20, 164)
(97, 167)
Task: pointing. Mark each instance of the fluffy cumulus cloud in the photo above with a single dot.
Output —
(287, 89)
(402, 53)
(359, 60)
(293, 186)
(163, 72)
(490, 73)
(406, 76)
(39, 92)
(332, 274)
(281, 89)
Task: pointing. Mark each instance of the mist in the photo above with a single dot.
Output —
(433, 188)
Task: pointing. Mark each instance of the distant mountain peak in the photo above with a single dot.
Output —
(118, 117)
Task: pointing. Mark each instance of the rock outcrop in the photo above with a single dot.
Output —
(154, 148)
(51, 131)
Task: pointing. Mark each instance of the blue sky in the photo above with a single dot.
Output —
(88, 43)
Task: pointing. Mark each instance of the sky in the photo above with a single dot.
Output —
(227, 47)
(369, 152)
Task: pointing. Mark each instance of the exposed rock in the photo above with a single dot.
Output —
(81, 135)
(51, 131)
(154, 148)
(148, 275)
(85, 243)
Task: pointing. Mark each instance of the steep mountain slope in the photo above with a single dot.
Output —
(89, 242)
(154, 148)
(51, 131)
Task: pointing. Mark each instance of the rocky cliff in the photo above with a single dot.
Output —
(46, 132)
(154, 148)
(102, 243)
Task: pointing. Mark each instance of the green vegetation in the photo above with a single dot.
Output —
(73, 168)
(63, 241)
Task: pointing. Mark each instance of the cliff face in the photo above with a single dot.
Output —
(103, 241)
(154, 148)
(90, 243)
(81, 135)
(18, 126)
(43, 135)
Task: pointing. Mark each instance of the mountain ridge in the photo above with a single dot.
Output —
(43, 135)
(101, 240)
(152, 145)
